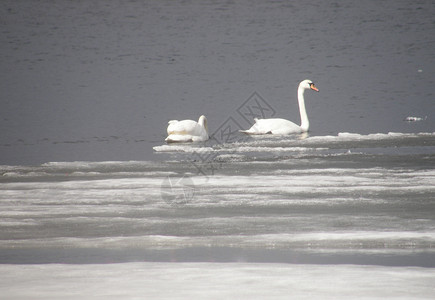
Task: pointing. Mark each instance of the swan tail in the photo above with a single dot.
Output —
(254, 129)
(249, 131)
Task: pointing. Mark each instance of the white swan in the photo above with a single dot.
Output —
(187, 130)
(282, 126)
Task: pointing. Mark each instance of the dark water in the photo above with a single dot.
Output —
(98, 81)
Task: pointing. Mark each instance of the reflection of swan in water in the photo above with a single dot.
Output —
(282, 126)
(187, 131)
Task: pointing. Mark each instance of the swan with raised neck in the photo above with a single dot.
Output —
(283, 126)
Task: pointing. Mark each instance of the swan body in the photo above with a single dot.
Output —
(273, 126)
(283, 126)
(187, 131)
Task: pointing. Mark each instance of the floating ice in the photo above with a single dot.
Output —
(415, 119)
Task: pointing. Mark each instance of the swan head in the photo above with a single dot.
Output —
(308, 85)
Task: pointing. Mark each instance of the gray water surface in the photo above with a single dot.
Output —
(98, 81)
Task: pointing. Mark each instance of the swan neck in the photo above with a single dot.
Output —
(305, 124)
(203, 123)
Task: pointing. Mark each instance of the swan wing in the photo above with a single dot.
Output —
(184, 127)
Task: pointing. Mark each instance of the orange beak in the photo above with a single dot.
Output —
(313, 87)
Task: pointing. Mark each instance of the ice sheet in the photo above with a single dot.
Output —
(214, 281)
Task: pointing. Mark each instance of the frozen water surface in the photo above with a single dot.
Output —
(347, 212)
(214, 281)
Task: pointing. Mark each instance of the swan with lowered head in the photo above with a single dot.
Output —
(282, 126)
(187, 130)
